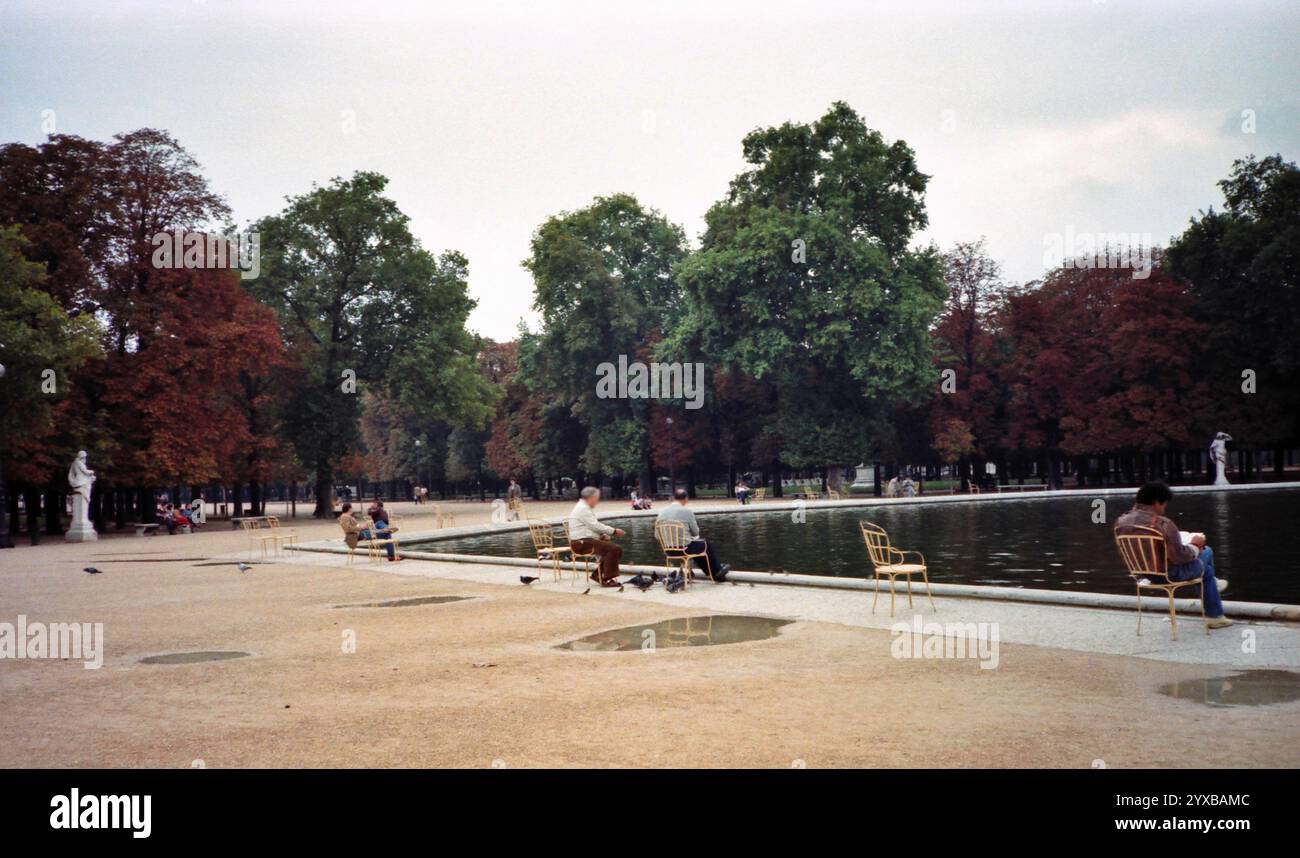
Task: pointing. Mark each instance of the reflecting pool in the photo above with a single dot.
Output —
(1049, 543)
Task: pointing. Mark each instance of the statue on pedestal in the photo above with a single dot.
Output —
(80, 479)
(1219, 455)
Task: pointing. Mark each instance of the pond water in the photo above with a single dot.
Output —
(1048, 543)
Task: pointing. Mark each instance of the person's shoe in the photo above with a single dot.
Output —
(1219, 623)
(722, 573)
(1223, 583)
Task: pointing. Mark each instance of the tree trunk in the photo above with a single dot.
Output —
(33, 500)
(324, 491)
(54, 513)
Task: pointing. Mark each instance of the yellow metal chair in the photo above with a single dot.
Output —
(832, 495)
(444, 519)
(1145, 554)
(277, 535)
(760, 494)
(576, 555)
(673, 539)
(375, 549)
(887, 561)
(250, 526)
(544, 543)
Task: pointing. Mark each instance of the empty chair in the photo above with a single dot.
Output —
(1143, 552)
(444, 519)
(890, 562)
(544, 544)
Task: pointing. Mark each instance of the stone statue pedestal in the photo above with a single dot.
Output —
(81, 530)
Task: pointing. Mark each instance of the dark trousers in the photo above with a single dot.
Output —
(608, 554)
(697, 545)
(379, 534)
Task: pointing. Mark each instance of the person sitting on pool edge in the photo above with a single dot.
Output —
(353, 532)
(587, 535)
(1185, 561)
(677, 511)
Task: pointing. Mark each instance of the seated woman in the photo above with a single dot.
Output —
(354, 532)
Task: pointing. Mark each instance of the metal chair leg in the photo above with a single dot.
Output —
(928, 594)
(1139, 592)
(1173, 620)
(877, 596)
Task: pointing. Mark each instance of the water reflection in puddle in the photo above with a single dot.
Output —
(403, 603)
(192, 657)
(711, 630)
(1247, 688)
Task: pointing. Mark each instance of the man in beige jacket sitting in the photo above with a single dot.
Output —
(588, 536)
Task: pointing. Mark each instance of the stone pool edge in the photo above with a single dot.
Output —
(1253, 610)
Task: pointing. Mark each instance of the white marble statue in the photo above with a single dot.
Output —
(80, 479)
(1219, 455)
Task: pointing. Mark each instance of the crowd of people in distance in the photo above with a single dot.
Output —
(174, 517)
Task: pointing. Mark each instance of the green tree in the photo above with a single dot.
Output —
(362, 303)
(1242, 265)
(39, 345)
(805, 281)
(605, 288)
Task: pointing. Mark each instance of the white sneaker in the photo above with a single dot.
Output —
(1219, 623)
(1222, 582)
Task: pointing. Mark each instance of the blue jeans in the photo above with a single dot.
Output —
(1202, 567)
(388, 545)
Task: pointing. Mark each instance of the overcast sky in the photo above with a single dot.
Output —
(1031, 118)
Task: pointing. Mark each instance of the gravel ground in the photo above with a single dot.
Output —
(479, 683)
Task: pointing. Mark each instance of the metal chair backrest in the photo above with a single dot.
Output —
(671, 536)
(543, 536)
(877, 540)
(1144, 551)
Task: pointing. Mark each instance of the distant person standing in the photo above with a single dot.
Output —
(588, 535)
(515, 499)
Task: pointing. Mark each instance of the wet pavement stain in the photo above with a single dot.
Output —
(710, 630)
(1245, 688)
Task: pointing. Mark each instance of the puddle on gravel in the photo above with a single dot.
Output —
(711, 630)
(1246, 688)
(192, 657)
(403, 603)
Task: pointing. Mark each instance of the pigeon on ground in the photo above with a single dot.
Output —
(243, 567)
(528, 579)
(586, 591)
(92, 570)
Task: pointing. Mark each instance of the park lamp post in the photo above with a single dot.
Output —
(419, 466)
(5, 540)
(672, 456)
